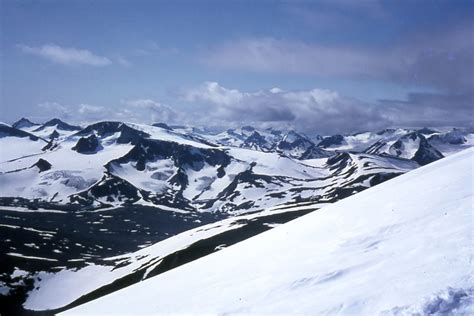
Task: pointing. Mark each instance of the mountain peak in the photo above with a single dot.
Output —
(23, 122)
(61, 125)
(162, 125)
(426, 130)
(331, 140)
(414, 146)
(248, 128)
(292, 136)
(87, 145)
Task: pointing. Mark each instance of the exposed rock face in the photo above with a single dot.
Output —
(50, 145)
(42, 165)
(314, 152)
(23, 123)
(331, 140)
(163, 125)
(87, 145)
(54, 135)
(426, 130)
(425, 153)
(256, 142)
(103, 129)
(412, 146)
(294, 144)
(454, 137)
(8, 131)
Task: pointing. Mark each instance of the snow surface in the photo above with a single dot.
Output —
(361, 141)
(49, 286)
(46, 131)
(448, 149)
(166, 135)
(402, 247)
(70, 172)
(16, 147)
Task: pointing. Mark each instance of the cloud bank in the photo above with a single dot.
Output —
(438, 66)
(326, 111)
(313, 110)
(309, 110)
(138, 110)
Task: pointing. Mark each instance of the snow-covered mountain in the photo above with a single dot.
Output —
(71, 196)
(451, 141)
(25, 123)
(410, 254)
(412, 146)
(111, 164)
(294, 145)
(51, 129)
(257, 142)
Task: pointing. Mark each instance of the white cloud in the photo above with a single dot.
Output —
(87, 108)
(66, 56)
(147, 110)
(441, 60)
(315, 109)
(87, 112)
(213, 92)
(76, 113)
(324, 111)
(282, 56)
(139, 111)
(123, 61)
(53, 107)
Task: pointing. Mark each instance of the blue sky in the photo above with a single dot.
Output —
(381, 62)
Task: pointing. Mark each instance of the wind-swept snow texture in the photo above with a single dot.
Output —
(402, 247)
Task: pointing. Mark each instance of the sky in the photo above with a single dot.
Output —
(328, 66)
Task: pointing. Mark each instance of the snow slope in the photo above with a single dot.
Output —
(49, 293)
(402, 247)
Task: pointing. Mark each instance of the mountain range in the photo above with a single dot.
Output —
(85, 199)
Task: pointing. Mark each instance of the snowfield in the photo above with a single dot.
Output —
(402, 247)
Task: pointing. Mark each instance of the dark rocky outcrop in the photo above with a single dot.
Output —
(87, 145)
(54, 135)
(163, 125)
(23, 123)
(333, 140)
(42, 165)
(257, 142)
(107, 128)
(314, 152)
(8, 131)
(425, 154)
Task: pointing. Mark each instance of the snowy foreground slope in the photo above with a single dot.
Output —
(402, 247)
(109, 274)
